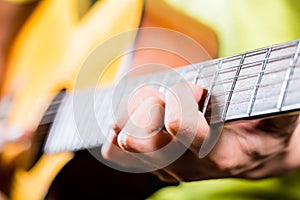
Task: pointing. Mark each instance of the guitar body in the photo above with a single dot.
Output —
(46, 58)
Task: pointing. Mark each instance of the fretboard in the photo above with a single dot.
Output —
(254, 84)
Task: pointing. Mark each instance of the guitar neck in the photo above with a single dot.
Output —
(254, 84)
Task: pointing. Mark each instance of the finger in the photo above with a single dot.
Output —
(182, 117)
(113, 153)
(134, 100)
(143, 135)
(142, 132)
(111, 149)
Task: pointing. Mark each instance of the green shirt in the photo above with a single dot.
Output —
(246, 24)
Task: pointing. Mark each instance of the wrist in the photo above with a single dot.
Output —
(292, 160)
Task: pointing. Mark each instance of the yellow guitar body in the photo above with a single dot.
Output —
(46, 57)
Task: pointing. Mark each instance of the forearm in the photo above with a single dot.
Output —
(285, 162)
(293, 159)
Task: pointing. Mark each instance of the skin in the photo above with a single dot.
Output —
(249, 149)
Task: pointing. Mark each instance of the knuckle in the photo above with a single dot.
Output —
(154, 100)
(107, 154)
(173, 126)
(225, 165)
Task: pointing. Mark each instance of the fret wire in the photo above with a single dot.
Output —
(209, 93)
(210, 63)
(203, 66)
(249, 88)
(289, 75)
(187, 73)
(221, 105)
(244, 77)
(217, 83)
(258, 82)
(252, 53)
(255, 63)
(245, 100)
(232, 87)
(239, 102)
(199, 70)
(252, 64)
(196, 79)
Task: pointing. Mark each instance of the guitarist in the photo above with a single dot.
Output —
(238, 153)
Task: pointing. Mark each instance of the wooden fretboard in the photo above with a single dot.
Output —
(259, 83)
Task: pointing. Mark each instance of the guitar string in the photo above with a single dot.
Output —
(214, 63)
(273, 96)
(247, 76)
(211, 116)
(220, 105)
(56, 102)
(231, 68)
(262, 51)
(245, 65)
(249, 54)
(249, 88)
(248, 65)
(212, 119)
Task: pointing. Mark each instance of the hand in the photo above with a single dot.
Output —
(253, 149)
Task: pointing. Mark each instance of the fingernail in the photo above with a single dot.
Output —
(122, 140)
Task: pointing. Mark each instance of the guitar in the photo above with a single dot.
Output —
(46, 58)
(246, 80)
(247, 83)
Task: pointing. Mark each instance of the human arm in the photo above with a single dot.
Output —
(253, 149)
